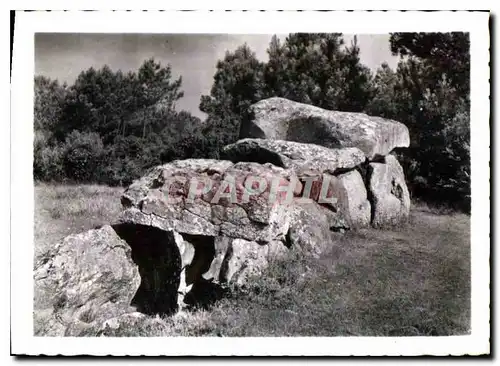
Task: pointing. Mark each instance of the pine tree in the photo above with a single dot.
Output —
(238, 83)
(314, 68)
(429, 92)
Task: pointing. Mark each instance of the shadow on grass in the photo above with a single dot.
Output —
(204, 294)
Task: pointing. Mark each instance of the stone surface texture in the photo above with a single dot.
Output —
(299, 157)
(390, 196)
(298, 179)
(282, 119)
(85, 278)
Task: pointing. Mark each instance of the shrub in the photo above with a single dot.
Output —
(83, 155)
(47, 164)
(47, 160)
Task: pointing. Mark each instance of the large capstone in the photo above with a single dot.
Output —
(221, 216)
(299, 157)
(212, 198)
(283, 119)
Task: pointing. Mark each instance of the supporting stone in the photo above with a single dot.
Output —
(388, 192)
(84, 279)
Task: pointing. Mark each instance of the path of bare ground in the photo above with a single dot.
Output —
(413, 280)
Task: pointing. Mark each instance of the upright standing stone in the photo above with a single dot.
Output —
(353, 198)
(390, 196)
(85, 279)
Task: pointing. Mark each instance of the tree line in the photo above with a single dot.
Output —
(109, 126)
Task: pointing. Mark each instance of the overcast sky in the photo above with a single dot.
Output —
(64, 56)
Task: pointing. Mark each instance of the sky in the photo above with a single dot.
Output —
(63, 56)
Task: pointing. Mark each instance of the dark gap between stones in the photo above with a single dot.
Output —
(254, 154)
(204, 254)
(366, 171)
(204, 291)
(157, 256)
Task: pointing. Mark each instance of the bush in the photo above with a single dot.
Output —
(47, 164)
(47, 160)
(83, 155)
(121, 172)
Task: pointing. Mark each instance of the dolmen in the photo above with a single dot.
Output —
(298, 176)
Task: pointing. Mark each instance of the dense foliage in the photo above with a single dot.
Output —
(316, 68)
(110, 126)
(238, 83)
(429, 92)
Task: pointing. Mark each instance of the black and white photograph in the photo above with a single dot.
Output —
(294, 184)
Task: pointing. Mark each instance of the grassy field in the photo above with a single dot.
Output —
(409, 281)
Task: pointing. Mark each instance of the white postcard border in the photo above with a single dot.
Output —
(23, 341)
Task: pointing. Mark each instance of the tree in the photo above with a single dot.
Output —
(47, 160)
(313, 68)
(238, 83)
(447, 53)
(156, 88)
(93, 104)
(48, 103)
(129, 118)
(357, 88)
(430, 94)
(123, 160)
(102, 100)
(384, 84)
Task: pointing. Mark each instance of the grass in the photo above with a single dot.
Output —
(61, 210)
(408, 281)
